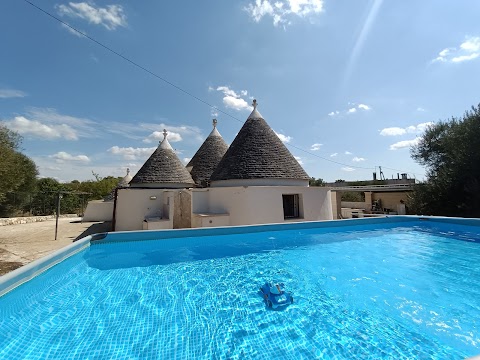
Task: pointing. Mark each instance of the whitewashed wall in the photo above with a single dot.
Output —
(245, 205)
(134, 205)
(98, 210)
(262, 204)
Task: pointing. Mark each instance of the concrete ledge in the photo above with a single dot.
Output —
(225, 230)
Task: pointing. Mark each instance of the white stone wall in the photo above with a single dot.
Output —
(245, 205)
(262, 204)
(98, 210)
(135, 205)
(31, 219)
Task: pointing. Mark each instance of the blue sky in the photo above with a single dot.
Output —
(354, 82)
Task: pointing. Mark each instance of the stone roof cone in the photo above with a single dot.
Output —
(126, 180)
(163, 169)
(207, 157)
(258, 153)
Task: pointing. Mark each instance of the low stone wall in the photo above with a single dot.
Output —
(30, 219)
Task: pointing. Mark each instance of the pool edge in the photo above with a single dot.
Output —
(17, 277)
(27, 272)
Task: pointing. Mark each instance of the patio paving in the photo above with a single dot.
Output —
(21, 244)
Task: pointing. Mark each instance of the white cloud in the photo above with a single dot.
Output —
(49, 124)
(348, 153)
(130, 153)
(356, 107)
(62, 157)
(111, 16)
(186, 160)
(420, 128)
(346, 168)
(10, 93)
(214, 112)
(158, 136)
(175, 132)
(352, 109)
(316, 147)
(73, 32)
(35, 128)
(299, 159)
(283, 138)
(462, 58)
(282, 11)
(420, 109)
(412, 129)
(234, 103)
(404, 144)
(234, 100)
(393, 131)
(358, 159)
(468, 50)
(53, 168)
(334, 154)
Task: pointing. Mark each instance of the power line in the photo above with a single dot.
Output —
(178, 87)
(131, 61)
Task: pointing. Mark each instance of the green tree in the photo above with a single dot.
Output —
(44, 199)
(316, 182)
(17, 173)
(450, 152)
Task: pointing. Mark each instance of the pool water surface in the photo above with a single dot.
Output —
(402, 291)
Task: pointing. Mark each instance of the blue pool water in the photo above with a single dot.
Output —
(400, 291)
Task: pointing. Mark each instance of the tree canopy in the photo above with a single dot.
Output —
(17, 171)
(450, 151)
(21, 192)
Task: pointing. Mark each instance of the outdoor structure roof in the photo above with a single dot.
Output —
(206, 159)
(163, 168)
(126, 179)
(122, 183)
(258, 153)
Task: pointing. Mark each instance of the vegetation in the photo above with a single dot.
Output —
(316, 182)
(353, 196)
(450, 152)
(21, 193)
(17, 171)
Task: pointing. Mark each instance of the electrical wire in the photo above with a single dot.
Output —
(181, 89)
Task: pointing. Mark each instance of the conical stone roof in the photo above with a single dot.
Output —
(258, 153)
(126, 180)
(122, 183)
(163, 169)
(206, 159)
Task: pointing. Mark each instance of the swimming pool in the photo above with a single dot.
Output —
(392, 288)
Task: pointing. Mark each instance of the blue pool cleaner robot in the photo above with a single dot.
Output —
(275, 296)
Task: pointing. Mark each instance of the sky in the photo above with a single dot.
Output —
(348, 86)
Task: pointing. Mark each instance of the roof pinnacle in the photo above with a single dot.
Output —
(254, 104)
(214, 123)
(165, 133)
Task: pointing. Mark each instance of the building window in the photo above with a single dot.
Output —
(291, 206)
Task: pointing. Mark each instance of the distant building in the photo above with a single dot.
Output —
(382, 197)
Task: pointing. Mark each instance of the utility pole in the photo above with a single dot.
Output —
(59, 197)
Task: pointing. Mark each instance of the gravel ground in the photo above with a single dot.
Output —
(21, 244)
